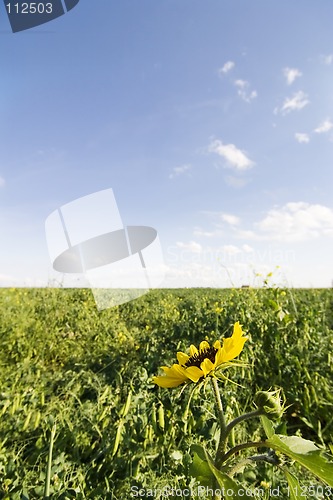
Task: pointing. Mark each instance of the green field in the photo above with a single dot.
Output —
(89, 372)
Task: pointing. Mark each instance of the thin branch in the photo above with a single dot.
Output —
(243, 446)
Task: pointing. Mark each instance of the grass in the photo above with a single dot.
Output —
(62, 362)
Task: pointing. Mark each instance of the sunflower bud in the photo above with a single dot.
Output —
(269, 402)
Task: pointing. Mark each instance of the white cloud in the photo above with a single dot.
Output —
(235, 182)
(247, 248)
(190, 274)
(235, 157)
(302, 138)
(243, 90)
(325, 126)
(228, 66)
(192, 246)
(246, 234)
(291, 74)
(7, 280)
(233, 220)
(297, 221)
(176, 171)
(2, 182)
(241, 83)
(231, 249)
(297, 102)
(248, 97)
(206, 234)
(327, 59)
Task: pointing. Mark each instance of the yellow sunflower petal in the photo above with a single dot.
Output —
(204, 345)
(238, 332)
(194, 373)
(193, 350)
(219, 356)
(173, 377)
(217, 344)
(207, 366)
(182, 358)
(233, 346)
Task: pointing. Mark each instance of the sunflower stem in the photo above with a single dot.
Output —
(187, 409)
(244, 446)
(241, 418)
(223, 426)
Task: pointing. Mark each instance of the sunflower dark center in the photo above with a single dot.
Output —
(197, 359)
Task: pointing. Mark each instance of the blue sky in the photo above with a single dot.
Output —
(212, 122)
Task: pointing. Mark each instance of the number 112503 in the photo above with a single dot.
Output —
(29, 8)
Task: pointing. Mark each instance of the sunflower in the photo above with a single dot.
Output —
(203, 361)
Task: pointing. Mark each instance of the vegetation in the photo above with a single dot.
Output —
(85, 378)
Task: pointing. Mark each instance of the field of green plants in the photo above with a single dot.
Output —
(86, 376)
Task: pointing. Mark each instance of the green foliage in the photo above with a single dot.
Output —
(206, 473)
(90, 372)
(305, 453)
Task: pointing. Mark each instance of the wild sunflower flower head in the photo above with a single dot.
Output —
(202, 362)
(269, 402)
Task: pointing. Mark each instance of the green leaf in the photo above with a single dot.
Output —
(206, 471)
(230, 489)
(305, 453)
(267, 425)
(281, 428)
(199, 467)
(274, 304)
(294, 486)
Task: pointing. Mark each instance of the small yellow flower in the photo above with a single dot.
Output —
(203, 361)
(218, 309)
